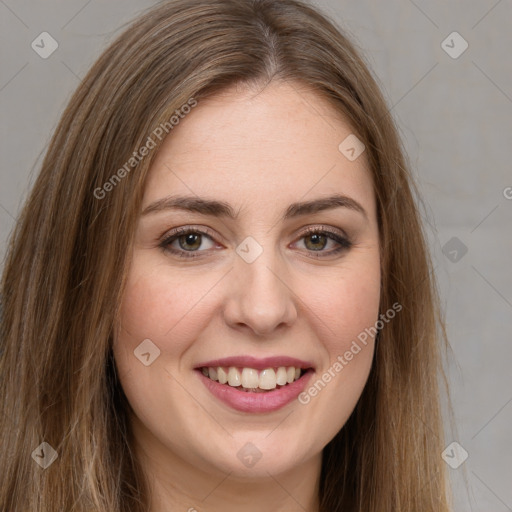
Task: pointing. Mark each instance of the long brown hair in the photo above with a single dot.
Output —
(69, 254)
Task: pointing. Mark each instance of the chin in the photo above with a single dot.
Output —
(250, 456)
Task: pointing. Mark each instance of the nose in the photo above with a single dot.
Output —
(259, 298)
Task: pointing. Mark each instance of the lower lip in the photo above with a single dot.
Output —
(247, 401)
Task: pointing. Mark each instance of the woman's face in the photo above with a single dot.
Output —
(248, 295)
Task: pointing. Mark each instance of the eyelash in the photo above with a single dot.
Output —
(344, 243)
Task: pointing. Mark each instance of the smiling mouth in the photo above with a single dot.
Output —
(251, 380)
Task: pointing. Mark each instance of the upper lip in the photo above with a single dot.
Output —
(257, 363)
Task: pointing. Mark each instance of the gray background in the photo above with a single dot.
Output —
(455, 117)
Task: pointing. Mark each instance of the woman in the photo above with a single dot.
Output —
(219, 293)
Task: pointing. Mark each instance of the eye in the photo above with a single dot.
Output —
(187, 242)
(316, 240)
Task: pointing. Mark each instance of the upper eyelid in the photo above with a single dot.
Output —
(208, 232)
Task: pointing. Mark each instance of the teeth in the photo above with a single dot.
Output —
(281, 377)
(234, 377)
(251, 379)
(268, 379)
(222, 376)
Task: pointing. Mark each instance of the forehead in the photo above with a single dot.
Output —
(260, 147)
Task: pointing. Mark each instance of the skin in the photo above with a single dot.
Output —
(259, 151)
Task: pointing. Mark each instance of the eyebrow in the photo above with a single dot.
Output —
(223, 209)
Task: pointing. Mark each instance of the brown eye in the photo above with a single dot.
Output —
(316, 240)
(186, 242)
(192, 240)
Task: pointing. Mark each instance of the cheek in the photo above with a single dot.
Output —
(345, 312)
(346, 303)
(159, 307)
(164, 307)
